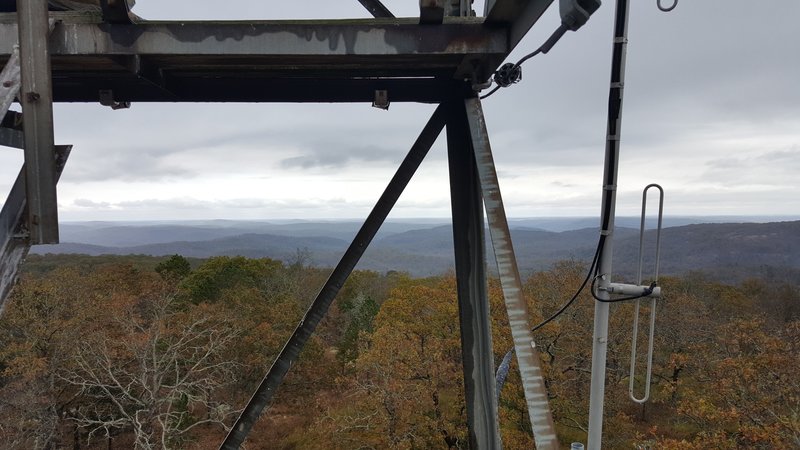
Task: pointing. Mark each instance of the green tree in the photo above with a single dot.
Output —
(175, 268)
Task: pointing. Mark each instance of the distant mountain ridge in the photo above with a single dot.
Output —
(730, 249)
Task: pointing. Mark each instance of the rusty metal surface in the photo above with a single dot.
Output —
(319, 307)
(473, 303)
(14, 244)
(267, 60)
(530, 367)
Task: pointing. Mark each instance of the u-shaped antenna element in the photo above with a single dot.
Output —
(649, 372)
(666, 8)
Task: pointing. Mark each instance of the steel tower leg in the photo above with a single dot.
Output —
(319, 307)
(473, 301)
(36, 97)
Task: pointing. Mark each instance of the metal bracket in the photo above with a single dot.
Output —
(381, 100)
(107, 99)
(631, 290)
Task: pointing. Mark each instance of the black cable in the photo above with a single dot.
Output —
(580, 289)
(528, 56)
(509, 74)
(491, 92)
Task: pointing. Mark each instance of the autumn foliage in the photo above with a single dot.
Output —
(147, 353)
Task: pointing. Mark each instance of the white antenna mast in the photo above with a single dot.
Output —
(605, 288)
(601, 309)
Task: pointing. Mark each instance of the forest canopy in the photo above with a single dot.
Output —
(146, 352)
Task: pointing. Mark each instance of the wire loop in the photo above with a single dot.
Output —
(666, 8)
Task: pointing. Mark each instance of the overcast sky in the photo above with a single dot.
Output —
(711, 112)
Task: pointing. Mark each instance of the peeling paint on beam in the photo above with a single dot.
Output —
(324, 38)
(213, 57)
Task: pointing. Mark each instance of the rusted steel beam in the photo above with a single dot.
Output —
(265, 61)
(14, 241)
(473, 301)
(518, 15)
(319, 307)
(172, 88)
(517, 308)
(36, 97)
(376, 8)
(338, 40)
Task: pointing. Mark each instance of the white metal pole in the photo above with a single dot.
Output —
(601, 309)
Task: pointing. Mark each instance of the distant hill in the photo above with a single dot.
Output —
(731, 251)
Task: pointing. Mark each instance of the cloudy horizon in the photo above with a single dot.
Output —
(712, 113)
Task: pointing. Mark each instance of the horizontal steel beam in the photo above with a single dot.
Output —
(329, 38)
(215, 58)
(255, 89)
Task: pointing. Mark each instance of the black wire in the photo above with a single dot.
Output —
(544, 48)
(580, 289)
(528, 56)
(491, 92)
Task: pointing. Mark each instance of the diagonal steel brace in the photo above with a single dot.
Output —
(376, 8)
(529, 365)
(14, 240)
(319, 307)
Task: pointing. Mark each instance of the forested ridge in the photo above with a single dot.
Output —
(161, 352)
(732, 251)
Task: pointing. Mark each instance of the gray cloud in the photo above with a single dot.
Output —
(334, 156)
(775, 168)
(710, 94)
(86, 203)
(121, 166)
